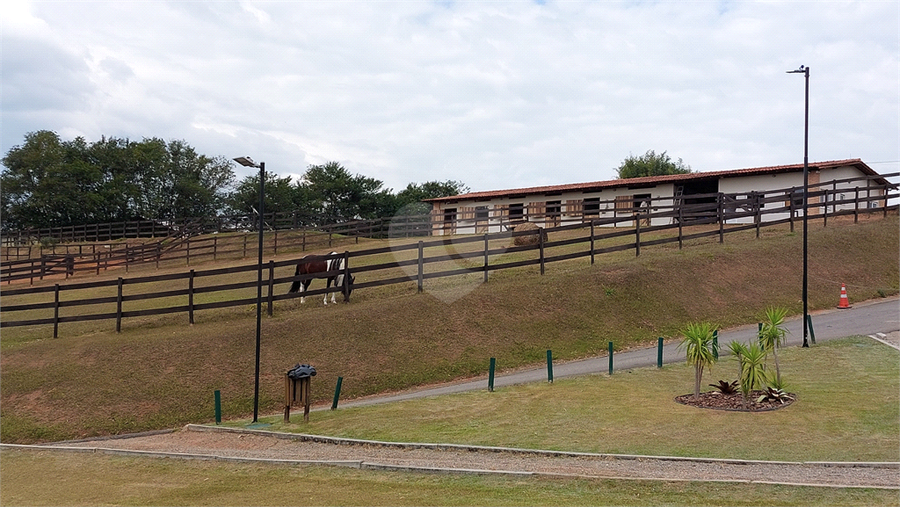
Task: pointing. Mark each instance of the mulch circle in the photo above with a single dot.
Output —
(719, 401)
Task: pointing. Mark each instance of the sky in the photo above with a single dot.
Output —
(493, 94)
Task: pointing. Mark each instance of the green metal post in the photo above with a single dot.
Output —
(549, 366)
(218, 397)
(716, 344)
(491, 375)
(337, 393)
(659, 351)
(812, 334)
(610, 358)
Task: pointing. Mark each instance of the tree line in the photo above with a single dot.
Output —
(51, 182)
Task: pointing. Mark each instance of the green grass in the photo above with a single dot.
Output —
(161, 373)
(846, 410)
(82, 479)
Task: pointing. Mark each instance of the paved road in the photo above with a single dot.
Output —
(867, 318)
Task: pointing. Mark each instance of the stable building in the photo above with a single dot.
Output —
(833, 186)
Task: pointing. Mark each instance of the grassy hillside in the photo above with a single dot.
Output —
(162, 373)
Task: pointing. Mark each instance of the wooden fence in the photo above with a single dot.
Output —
(418, 262)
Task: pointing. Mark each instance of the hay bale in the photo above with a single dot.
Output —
(528, 239)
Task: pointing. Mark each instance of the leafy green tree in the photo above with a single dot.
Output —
(48, 182)
(700, 349)
(279, 194)
(651, 164)
(341, 196)
(410, 198)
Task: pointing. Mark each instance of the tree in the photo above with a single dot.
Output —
(48, 182)
(410, 199)
(341, 196)
(700, 349)
(772, 334)
(651, 164)
(279, 195)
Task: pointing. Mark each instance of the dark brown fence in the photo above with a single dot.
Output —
(470, 254)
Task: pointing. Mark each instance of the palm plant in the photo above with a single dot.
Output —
(772, 334)
(752, 361)
(700, 349)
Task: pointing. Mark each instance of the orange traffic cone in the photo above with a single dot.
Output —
(845, 303)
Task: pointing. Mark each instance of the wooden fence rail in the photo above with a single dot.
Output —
(420, 261)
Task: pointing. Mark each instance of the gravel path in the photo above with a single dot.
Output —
(211, 442)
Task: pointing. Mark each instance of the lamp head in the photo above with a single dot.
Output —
(246, 162)
(801, 70)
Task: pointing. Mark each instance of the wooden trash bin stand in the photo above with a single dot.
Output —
(296, 389)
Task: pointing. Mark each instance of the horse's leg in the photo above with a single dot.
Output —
(328, 285)
(303, 286)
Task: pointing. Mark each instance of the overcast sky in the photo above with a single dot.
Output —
(497, 95)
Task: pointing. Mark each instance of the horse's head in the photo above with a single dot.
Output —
(349, 286)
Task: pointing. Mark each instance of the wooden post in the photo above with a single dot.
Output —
(119, 307)
(271, 293)
(288, 397)
(191, 297)
(421, 274)
(485, 257)
(541, 247)
(592, 242)
(637, 238)
(720, 211)
(56, 311)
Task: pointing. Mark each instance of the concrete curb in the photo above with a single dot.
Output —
(363, 465)
(535, 452)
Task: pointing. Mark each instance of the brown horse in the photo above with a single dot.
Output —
(322, 266)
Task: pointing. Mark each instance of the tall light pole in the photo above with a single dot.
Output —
(248, 162)
(805, 71)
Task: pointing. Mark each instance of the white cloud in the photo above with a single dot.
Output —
(495, 94)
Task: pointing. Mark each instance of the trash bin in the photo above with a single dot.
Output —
(296, 385)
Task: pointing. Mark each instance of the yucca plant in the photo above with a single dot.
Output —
(752, 363)
(772, 333)
(700, 349)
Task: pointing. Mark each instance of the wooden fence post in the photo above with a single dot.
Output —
(541, 247)
(637, 238)
(271, 286)
(56, 311)
(346, 285)
(791, 206)
(119, 306)
(592, 242)
(486, 257)
(421, 274)
(721, 213)
(191, 298)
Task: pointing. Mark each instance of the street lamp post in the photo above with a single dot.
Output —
(805, 71)
(248, 162)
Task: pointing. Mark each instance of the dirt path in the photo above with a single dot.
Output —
(211, 442)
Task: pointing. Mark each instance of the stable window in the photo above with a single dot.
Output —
(591, 206)
(516, 211)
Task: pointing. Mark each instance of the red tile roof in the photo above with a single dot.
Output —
(654, 180)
